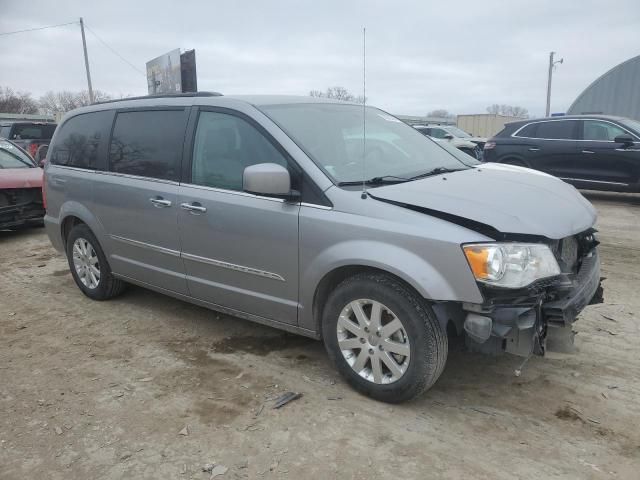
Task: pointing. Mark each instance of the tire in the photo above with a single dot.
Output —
(421, 333)
(107, 286)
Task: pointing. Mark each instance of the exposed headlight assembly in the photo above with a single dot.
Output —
(510, 265)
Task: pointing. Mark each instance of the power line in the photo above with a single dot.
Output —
(38, 28)
(115, 52)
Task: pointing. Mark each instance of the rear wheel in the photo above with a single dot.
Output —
(383, 338)
(89, 266)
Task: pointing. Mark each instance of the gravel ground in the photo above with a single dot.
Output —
(146, 386)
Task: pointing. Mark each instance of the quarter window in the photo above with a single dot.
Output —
(601, 131)
(148, 143)
(528, 131)
(79, 140)
(224, 146)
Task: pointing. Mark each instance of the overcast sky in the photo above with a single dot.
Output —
(421, 55)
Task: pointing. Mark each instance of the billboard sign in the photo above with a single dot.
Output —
(164, 73)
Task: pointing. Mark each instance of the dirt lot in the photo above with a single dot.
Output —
(106, 390)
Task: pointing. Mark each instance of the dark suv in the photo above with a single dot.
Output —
(30, 136)
(594, 152)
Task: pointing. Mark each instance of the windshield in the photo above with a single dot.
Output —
(33, 131)
(332, 136)
(12, 157)
(456, 132)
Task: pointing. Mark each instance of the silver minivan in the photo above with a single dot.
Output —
(326, 219)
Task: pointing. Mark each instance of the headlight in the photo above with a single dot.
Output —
(510, 265)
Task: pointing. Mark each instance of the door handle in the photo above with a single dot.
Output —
(587, 151)
(194, 208)
(534, 149)
(160, 202)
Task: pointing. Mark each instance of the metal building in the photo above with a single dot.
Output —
(617, 92)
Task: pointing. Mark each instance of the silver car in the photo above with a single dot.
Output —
(322, 218)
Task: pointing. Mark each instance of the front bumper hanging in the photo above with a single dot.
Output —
(517, 322)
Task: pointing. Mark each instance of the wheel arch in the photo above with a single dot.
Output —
(405, 266)
(74, 213)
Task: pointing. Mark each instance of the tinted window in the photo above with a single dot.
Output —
(556, 130)
(148, 143)
(224, 146)
(79, 140)
(32, 131)
(4, 132)
(528, 131)
(604, 131)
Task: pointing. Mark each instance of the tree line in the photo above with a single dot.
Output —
(48, 104)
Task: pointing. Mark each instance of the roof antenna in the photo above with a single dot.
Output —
(364, 113)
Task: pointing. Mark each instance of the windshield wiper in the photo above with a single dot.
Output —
(435, 171)
(376, 181)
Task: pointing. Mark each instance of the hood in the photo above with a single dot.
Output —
(21, 178)
(507, 199)
(477, 139)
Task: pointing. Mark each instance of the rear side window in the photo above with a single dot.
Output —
(32, 131)
(81, 141)
(5, 131)
(556, 130)
(148, 143)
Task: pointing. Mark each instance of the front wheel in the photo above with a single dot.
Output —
(383, 338)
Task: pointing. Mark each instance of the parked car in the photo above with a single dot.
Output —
(28, 135)
(256, 206)
(595, 152)
(460, 139)
(20, 188)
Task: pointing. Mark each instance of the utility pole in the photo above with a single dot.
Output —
(551, 66)
(86, 60)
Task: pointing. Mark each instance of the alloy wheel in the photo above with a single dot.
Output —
(373, 341)
(86, 263)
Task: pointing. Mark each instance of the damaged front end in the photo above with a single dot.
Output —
(517, 321)
(21, 207)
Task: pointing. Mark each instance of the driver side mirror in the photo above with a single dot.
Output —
(448, 136)
(625, 140)
(269, 179)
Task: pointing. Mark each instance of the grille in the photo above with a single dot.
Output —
(568, 254)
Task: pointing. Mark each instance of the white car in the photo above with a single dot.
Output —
(458, 138)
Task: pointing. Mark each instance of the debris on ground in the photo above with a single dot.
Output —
(218, 470)
(285, 398)
(208, 468)
(58, 430)
(184, 431)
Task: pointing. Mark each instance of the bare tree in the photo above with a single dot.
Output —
(54, 102)
(440, 113)
(338, 93)
(509, 110)
(17, 102)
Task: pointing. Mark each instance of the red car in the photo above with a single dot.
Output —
(21, 202)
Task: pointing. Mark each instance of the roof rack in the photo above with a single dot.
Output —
(163, 95)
